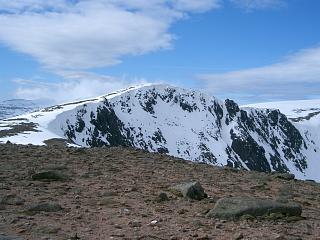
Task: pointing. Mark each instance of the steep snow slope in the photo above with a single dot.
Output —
(174, 121)
(15, 107)
(305, 116)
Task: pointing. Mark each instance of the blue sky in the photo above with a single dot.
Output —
(247, 50)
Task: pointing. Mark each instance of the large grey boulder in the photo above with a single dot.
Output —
(48, 176)
(6, 237)
(11, 199)
(192, 190)
(235, 207)
(284, 176)
(45, 207)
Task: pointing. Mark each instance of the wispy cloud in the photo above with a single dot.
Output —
(250, 5)
(76, 85)
(85, 34)
(295, 77)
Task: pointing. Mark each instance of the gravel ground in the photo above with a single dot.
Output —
(112, 193)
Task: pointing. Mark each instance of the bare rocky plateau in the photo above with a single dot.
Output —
(113, 193)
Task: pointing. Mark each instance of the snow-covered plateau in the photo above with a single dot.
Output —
(15, 107)
(183, 123)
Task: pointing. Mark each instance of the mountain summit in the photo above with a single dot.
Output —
(178, 122)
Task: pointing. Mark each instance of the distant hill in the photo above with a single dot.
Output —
(15, 107)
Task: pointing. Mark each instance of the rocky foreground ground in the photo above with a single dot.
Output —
(120, 193)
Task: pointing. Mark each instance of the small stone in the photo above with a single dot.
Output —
(238, 236)
(280, 237)
(118, 226)
(203, 237)
(173, 238)
(49, 229)
(197, 223)
(75, 237)
(154, 222)
(135, 224)
(126, 211)
(107, 201)
(218, 226)
(162, 197)
(182, 211)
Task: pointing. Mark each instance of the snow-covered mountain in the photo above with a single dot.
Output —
(14, 107)
(179, 122)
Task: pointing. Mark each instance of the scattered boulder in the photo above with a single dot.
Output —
(107, 201)
(284, 176)
(45, 207)
(5, 237)
(192, 190)
(236, 207)
(11, 200)
(48, 176)
(135, 224)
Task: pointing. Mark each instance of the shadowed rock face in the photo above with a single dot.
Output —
(235, 207)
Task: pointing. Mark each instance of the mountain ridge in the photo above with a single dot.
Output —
(178, 122)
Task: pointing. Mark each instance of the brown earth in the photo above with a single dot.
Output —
(112, 193)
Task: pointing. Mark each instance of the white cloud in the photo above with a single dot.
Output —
(85, 34)
(250, 5)
(76, 86)
(295, 77)
(196, 6)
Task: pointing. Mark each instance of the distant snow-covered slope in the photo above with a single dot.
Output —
(297, 110)
(15, 107)
(179, 122)
(305, 116)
